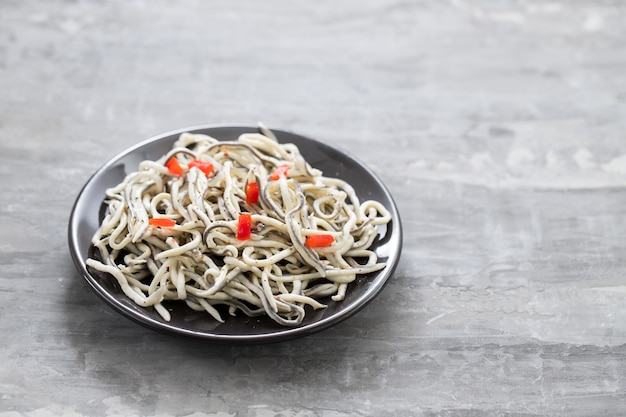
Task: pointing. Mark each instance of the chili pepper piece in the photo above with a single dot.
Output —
(173, 166)
(162, 222)
(203, 166)
(252, 193)
(319, 241)
(244, 226)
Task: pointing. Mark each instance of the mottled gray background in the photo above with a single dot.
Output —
(498, 126)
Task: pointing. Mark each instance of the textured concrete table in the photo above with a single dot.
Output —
(499, 127)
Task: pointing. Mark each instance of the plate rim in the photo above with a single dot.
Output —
(283, 333)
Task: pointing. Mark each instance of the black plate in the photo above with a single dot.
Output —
(86, 216)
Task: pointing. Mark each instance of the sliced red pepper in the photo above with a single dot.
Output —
(244, 226)
(252, 193)
(280, 170)
(162, 222)
(319, 241)
(174, 167)
(203, 166)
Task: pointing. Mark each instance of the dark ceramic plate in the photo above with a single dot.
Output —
(87, 214)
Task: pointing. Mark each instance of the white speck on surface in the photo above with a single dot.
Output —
(519, 159)
(593, 23)
(70, 26)
(480, 13)
(38, 17)
(553, 161)
(444, 166)
(437, 317)
(584, 159)
(480, 161)
(616, 165)
(115, 407)
(53, 410)
(547, 8)
(420, 164)
(618, 289)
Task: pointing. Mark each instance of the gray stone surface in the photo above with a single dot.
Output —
(499, 127)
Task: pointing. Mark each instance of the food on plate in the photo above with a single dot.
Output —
(246, 224)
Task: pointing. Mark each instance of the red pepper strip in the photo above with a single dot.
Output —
(278, 171)
(162, 222)
(174, 167)
(244, 226)
(252, 193)
(319, 241)
(203, 166)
